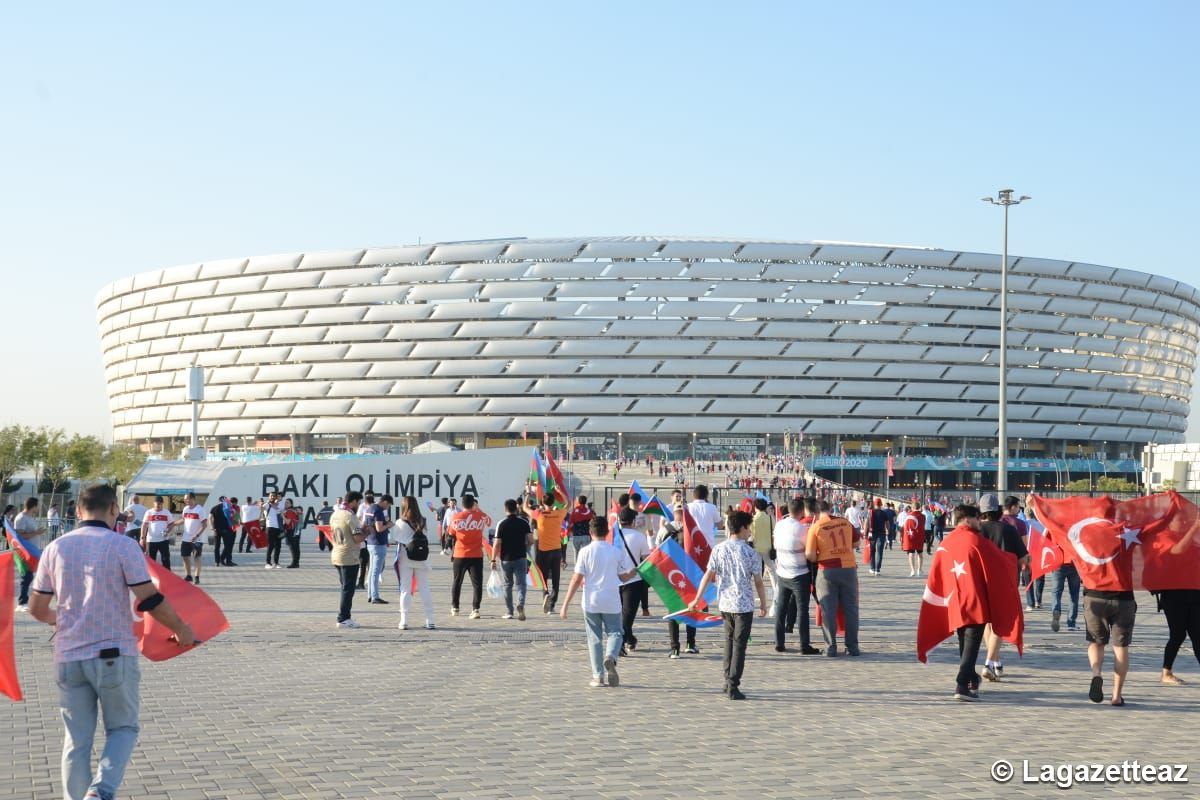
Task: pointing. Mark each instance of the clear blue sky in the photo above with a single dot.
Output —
(138, 136)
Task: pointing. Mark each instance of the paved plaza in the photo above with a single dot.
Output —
(285, 706)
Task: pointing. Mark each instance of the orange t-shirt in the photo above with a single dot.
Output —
(833, 539)
(549, 528)
(467, 527)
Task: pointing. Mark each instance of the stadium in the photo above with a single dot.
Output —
(837, 353)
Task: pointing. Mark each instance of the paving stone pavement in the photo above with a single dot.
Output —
(285, 706)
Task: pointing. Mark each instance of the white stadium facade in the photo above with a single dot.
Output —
(837, 352)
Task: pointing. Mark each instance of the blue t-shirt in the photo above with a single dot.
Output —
(376, 538)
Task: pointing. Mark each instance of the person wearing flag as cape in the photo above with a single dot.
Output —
(26, 525)
(969, 587)
(737, 571)
(89, 575)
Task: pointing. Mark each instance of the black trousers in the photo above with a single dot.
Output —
(550, 563)
(225, 546)
(274, 545)
(631, 600)
(462, 567)
(349, 577)
(1182, 607)
(737, 636)
(970, 637)
(645, 596)
(673, 629)
(244, 543)
(161, 551)
(364, 564)
(293, 540)
(793, 593)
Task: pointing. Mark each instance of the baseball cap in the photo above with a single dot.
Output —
(989, 502)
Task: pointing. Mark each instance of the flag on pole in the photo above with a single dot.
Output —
(636, 490)
(695, 541)
(891, 465)
(10, 683)
(843, 463)
(674, 576)
(193, 606)
(658, 508)
(556, 483)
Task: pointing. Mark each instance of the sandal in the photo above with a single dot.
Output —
(1120, 701)
(1172, 680)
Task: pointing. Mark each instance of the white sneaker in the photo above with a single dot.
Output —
(429, 626)
(268, 567)
(912, 573)
(454, 612)
(474, 613)
(349, 624)
(595, 683)
(507, 616)
(23, 609)
(403, 626)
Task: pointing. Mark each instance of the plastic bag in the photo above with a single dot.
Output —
(495, 586)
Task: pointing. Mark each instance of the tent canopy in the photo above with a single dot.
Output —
(177, 477)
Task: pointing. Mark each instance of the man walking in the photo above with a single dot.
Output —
(274, 514)
(794, 579)
(877, 523)
(511, 551)
(830, 546)
(347, 536)
(26, 524)
(597, 572)
(223, 522)
(380, 530)
(577, 523)
(466, 529)
(632, 550)
(135, 513)
(323, 522)
(156, 532)
(89, 574)
(737, 570)
(195, 522)
(1008, 539)
(549, 521)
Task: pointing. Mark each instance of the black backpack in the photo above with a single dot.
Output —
(418, 548)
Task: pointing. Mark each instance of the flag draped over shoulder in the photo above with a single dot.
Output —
(674, 577)
(192, 605)
(1171, 556)
(970, 583)
(26, 553)
(10, 683)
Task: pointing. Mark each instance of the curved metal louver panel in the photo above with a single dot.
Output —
(648, 335)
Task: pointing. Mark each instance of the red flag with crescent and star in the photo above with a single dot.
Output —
(970, 583)
(1044, 555)
(695, 541)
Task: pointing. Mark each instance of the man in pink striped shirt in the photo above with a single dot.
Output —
(90, 574)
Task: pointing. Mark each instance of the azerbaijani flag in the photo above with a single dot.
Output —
(659, 508)
(636, 490)
(27, 554)
(534, 578)
(674, 576)
(537, 472)
(556, 484)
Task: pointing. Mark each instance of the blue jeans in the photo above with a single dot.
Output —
(514, 573)
(1069, 576)
(378, 558)
(113, 683)
(603, 625)
(878, 542)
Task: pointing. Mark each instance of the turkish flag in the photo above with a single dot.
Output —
(1098, 535)
(695, 542)
(1044, 555)
(914, 532)
(10, 684)
(841, 619)
(1171, 552)
(192, 605)
(970, 583)
(257, 536)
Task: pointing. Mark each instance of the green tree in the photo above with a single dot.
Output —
(12, 438)
(85, 455)
(1081, 485)
(120, 463)
(1107, 484)
(56, 466)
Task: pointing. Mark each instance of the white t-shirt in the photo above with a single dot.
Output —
(639, 545)
(597, 563)
(707, 516)
(789, 539)
(273, 512)
(157, 524)
(194, 520)
(139, 513)
(855, 517)
(251, 513)
(27, 526)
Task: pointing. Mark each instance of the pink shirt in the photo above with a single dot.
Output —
(89, 571)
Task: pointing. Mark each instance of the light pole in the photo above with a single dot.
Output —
(693, 460)
(1005, 199)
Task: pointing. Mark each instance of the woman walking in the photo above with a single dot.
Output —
(412, 563)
